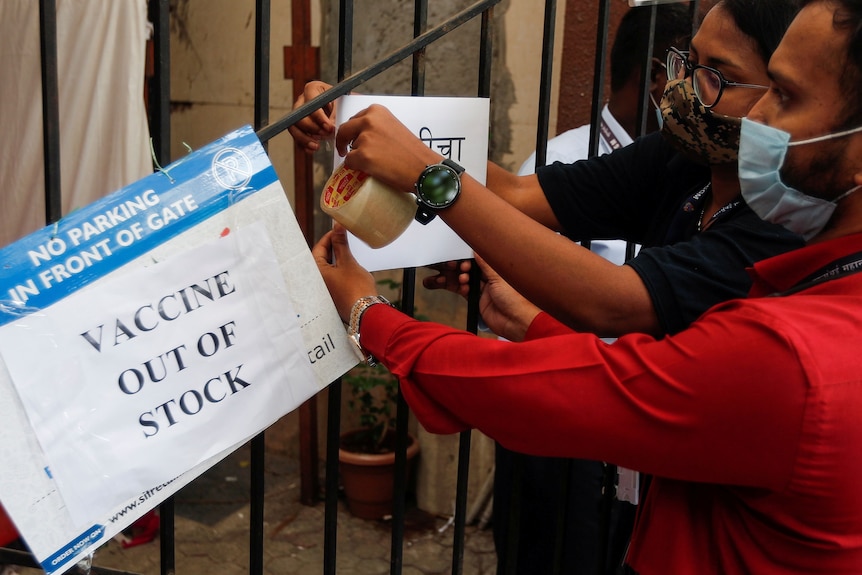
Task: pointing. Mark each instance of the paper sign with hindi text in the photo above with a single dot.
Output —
(456, 128)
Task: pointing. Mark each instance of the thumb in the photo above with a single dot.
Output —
(487, 271)
(340, 247)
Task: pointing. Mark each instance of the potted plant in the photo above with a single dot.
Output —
(367, 454)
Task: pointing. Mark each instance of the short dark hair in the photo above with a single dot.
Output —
(848, 18)
(672, 28)
(764, 21)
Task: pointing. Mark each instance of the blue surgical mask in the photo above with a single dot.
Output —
(657, 110)
(762, 150)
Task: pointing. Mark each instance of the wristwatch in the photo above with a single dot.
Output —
(356, 312)
(437, 188)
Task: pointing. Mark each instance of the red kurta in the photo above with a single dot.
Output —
(750, 421)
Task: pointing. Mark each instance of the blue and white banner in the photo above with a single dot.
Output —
(148, 335)
(58, 260)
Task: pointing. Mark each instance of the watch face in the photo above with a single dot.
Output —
(439, 185)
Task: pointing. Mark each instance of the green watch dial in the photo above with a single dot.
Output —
(439, 186)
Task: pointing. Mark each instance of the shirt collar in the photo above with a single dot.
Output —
(617, 129)
(782, 272)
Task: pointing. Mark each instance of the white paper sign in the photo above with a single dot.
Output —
(456, 128)
(150, 334)
(201, 351)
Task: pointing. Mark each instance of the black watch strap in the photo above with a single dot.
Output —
(424, 214)
(454, 165)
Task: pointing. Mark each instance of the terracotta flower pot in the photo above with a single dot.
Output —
(368, 478)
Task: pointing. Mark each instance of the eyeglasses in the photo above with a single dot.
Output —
(708, 83)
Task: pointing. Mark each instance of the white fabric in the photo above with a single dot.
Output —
(104, 139)
(574, 145)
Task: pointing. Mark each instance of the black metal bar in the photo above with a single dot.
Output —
(333, 424)
(160, 85)
(399, 483)
(258, 443)
(541, 160)
(599, 75)
(486, 53)
(408, 293)
(465, 438)
(345, 35)
(646, 68)
(160, 132)
(330, 512)
(261, 63)
(420, 23)
(545, 81)
(50, 109)
(348, 84)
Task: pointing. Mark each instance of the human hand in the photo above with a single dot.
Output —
(505, 311)
(346, 280)
(317, 126)
(453, 276)
(374, 141)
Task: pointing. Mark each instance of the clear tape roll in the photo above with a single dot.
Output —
(370, 210)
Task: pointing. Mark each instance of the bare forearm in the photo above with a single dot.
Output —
(578, 287)
(571, 283)
(522, 192)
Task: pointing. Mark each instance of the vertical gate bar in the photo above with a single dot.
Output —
(565, 467)
(610, 471)
(258, 443)
(345, 39)
(643, 97)
(545, 82)
(465, 437)
(333, 424)
(420, 24)
(160, 132)
(512, 534)
(408, 298)
(646, 66)
(330, 517)
(160, 85)
(261, 64)
(486, 45)
(50, 109)
(599, 74)
(399, 482)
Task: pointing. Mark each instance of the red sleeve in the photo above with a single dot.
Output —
(545, 326)
(696, 406)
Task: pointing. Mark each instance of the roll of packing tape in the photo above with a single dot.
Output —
(373, 212)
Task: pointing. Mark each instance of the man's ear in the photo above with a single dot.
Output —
(657, 74)
(658, 78)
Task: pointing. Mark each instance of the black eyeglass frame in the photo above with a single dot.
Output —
(689, 72)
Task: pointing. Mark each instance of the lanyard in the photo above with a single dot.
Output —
(716, 215)
(609, 136)
(842, 267)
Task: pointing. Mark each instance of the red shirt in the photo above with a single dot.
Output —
(750, 421)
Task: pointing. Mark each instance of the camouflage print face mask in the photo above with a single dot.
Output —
(702, 135)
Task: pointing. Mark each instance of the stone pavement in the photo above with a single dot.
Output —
(212, 532)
